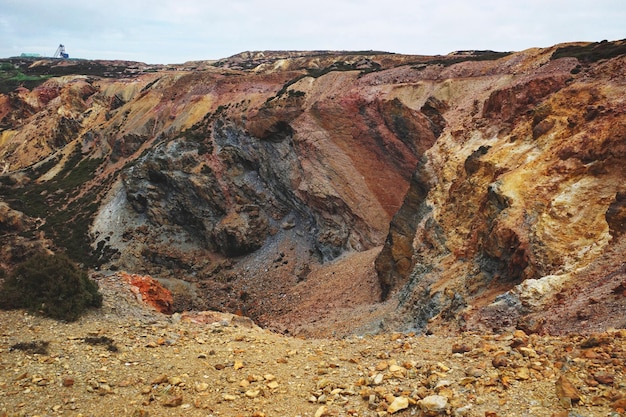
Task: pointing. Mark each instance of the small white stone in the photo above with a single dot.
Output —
(378, 379)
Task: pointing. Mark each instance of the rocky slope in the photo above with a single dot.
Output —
(334, 192)
(128, 360)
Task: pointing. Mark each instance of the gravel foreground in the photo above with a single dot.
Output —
(126, 360)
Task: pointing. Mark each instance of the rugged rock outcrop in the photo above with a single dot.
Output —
(149, 291)
(483, 184)
(518, 208)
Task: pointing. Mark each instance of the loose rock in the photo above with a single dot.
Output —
(434, 404)
(399, 403)
(566, 392)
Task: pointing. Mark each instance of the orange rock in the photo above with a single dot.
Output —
(148, 290)
(619, 405)
(566, 392)
(604, 378)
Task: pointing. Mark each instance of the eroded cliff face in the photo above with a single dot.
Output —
(513, 217)
(270, 184)
(230, 182)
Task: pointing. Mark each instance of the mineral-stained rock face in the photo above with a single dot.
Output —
(530, 192)
(150, 292)
(240, 182)
(482, 184)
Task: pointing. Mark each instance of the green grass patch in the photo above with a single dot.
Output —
(11, 77)
(16, 72)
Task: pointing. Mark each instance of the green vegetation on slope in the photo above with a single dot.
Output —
(11, 77)
(67, 212)
(51, 285)
(31, 72)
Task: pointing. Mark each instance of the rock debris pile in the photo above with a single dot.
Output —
(129, 360)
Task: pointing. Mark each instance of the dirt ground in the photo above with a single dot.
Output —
(127, 360)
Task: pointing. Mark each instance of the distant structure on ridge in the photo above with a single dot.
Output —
(60, 53)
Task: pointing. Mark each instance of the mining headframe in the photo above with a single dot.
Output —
(60, 53)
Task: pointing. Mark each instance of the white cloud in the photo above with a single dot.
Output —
(168, 31)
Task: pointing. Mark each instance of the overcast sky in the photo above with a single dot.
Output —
(175, 31)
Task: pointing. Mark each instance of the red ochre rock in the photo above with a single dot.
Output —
(149, 291)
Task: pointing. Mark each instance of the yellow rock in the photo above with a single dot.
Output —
(522, 373)
(253, 393)
(174, 380)
(201, 386)
(399, 403)
(322, 411)
(397, 371)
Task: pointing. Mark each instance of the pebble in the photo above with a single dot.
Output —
(528, 352)
(500, 361)
(104, 389)
(522, 373)
(475, 372)
(322, 411)
(461, 348)
(619, 405)
(161, 379)
(201, 386)
(175, 380)
(462, 411)
(173, 401)
(398, 403)
(443, 367)
(253, 393)
(604, 378)
(378, 379)
(397, 371)
(433, 404)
